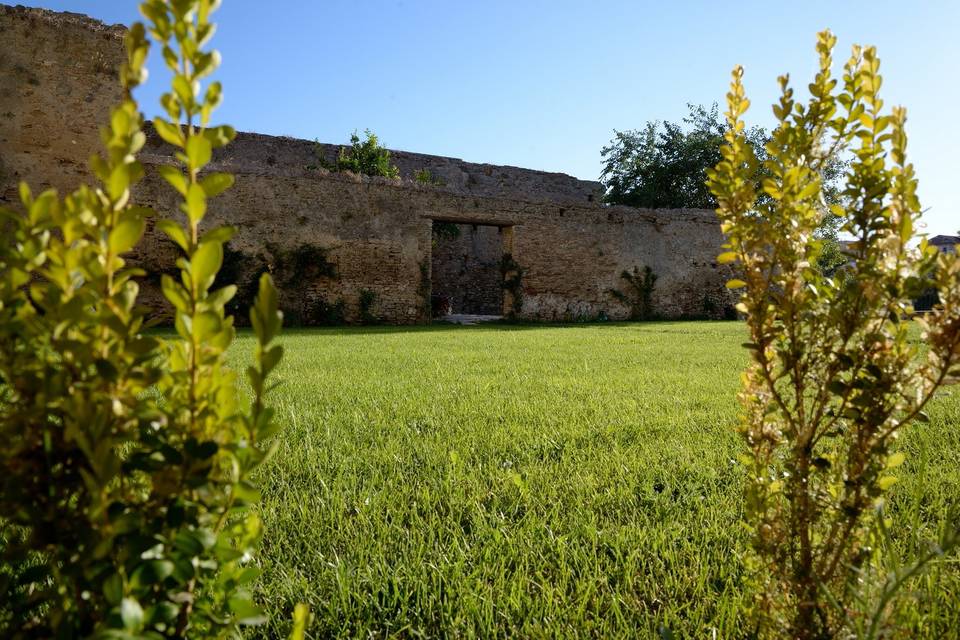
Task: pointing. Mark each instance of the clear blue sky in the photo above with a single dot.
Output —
(542, 83)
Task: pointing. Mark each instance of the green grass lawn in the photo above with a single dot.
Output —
(558, 481)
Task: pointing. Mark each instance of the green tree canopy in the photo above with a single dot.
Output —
(664, 166)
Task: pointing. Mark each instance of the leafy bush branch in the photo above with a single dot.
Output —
(126, 471)
(834, 377)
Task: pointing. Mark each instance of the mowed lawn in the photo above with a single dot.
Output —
(554, 481)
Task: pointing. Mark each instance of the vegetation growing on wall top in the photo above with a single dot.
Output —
(363, 157)
(424, 176)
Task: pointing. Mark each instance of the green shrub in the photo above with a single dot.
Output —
(125, 475)
(302, 262)
(242, 270)
(424, 176)
(640, 296)
(834, 376)
(511, 274)
(318, 312)
(445, 230)
(365, 157)
(367, 300)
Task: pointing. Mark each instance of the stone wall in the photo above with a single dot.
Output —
(58, 80)
(334, 239)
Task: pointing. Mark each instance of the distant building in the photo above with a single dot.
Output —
(930, 299)
(947, 244)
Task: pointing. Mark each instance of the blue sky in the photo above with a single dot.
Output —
(542, 83)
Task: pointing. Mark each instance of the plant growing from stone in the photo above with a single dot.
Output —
(424, 176)
(640, 296)
(125, 475)
(364, 157)
(834, 376)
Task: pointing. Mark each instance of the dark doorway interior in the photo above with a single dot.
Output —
(465, 269)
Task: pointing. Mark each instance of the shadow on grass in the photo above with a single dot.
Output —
(663, 326)
(503, 326)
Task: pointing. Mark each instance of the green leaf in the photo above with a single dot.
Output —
(199, 151)
(256, 380)
(837, 387)
(246, 576)
(222, 296)
(248, 614)
(216, 183)
(175, 232)
(113, 589)
(26, 197)
(205, 263)
(271, 357)
(183, 88)
(196, 205)
(201, 450)
(164, 612)
(727, 257)
(205, 325)
(301, 615)
(187, 542)
(119, 181)
(886, 482)
(174, 177)
(895, 460)
(120, 121)
(170, 132)
(150, 573)
(220, 136)
(126, 234)
(267, 323)
(246, 492)
(175, 293)
(220, 234)
(214, 96)
(132, 614)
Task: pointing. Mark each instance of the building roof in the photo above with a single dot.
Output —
(944, 240)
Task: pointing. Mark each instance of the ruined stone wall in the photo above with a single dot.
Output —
(332, 240)
(58, 79)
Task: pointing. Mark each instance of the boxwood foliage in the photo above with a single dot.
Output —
(125, 475)
(834, 376)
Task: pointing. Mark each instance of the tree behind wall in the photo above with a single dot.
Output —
(665, 164)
